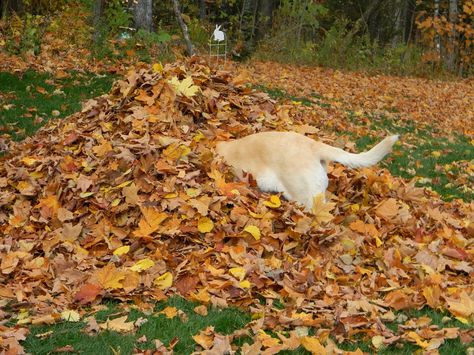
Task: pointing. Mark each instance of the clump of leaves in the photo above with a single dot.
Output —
(126, 199)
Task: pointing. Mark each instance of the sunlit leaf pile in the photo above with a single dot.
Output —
(127, 199)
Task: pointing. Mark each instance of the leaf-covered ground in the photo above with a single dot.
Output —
(127, 200)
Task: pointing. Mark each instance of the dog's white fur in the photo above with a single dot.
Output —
(292, 163)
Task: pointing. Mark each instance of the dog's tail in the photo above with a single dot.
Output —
(352, 160)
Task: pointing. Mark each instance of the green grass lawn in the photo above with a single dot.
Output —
(157, 326)
(48, 339)
(28, 101)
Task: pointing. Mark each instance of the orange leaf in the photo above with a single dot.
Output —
(87, 293)
(364, 228)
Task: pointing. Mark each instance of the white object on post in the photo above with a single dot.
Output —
(219, 35)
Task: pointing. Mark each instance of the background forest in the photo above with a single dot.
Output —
(421, 37)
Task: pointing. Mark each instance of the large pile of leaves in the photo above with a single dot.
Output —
(127, 199)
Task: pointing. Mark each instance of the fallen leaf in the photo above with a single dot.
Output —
(205, 225)
(142, 265)
(254, 231)
(118, 325)
(164, 281)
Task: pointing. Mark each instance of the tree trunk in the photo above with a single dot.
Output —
(265, 10)
(247, 21)
(202, 9)
(143, 15)
(11, 6)
(99, 8)
(184, 28)
(398, 27)
(409, 16)
(452, 50)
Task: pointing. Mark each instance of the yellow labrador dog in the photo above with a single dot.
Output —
(292, 163)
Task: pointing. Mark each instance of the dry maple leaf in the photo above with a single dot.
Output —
(322, 210)
(184, 87)
(110, 277)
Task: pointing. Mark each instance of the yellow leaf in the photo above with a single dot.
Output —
(158, 68)
(355, 208)
(176, 151)
(205, 338)
(199, 136)
(102, 149)
(238, 272)
(436, 153)
(313, 345)
(462, 320)
(152, 218)
(110, 277)
(122, 250)
(70, 316)
(142, 265)
(29, 161)
(378, 242)
(115, 202)
(170, 312)
(417, 339)
(201, 296)
(462, 307)
(118, 324)
(193, 192)
(321, 210)
(171, 195)
(185, 87)
(254, 231)
(256, 215)
(377, 341)
(164, 281)
(244, 284)
(274, 202)
(205, 225)
(123, 184)
(267, 340)
(85, 194)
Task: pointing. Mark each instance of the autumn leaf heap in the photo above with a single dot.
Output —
(126, 199)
